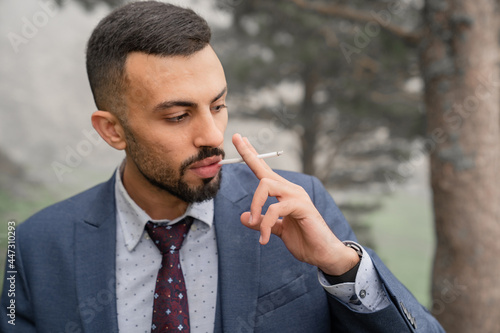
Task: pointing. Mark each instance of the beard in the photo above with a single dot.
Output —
(164, 177)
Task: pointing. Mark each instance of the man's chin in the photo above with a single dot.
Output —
(205, 191)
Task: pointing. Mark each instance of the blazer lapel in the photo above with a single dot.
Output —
(95, 250)
(239, 259)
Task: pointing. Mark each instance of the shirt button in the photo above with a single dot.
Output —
(362, 293)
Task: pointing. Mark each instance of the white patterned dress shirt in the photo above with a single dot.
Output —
(138, 261)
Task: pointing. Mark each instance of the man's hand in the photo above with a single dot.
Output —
(294, 218)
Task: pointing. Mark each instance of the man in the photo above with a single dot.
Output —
(94, 262)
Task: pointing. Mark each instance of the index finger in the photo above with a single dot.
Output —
(258, 166)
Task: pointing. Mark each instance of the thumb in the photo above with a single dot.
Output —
(250, 221)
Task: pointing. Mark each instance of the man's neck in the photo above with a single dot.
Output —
(157, 203)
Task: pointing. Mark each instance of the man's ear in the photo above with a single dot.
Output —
(109, 128)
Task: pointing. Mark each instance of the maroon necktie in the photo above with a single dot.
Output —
(170, 309)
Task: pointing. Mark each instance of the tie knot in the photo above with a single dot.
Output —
(169, 238)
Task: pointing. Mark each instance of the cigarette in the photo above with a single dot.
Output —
(240, 159)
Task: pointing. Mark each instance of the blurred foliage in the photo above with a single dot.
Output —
(354, 108)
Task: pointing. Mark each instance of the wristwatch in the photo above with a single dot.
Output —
(355, 248)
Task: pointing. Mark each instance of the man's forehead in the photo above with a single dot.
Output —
(142, 66)
(149, 76)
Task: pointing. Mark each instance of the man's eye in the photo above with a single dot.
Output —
(177, 118)
(219, 107)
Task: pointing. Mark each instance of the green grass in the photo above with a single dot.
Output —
(403, 234)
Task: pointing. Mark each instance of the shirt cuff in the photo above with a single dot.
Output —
(364, 295)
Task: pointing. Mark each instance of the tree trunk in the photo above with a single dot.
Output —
(309, 119)
(459, 60)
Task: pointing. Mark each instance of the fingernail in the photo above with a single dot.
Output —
(260, 239)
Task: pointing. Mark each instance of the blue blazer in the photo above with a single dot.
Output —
(65, 264)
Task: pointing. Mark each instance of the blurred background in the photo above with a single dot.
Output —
(339, 88)
(354, 123)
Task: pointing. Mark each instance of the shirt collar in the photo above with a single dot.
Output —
(133, 218)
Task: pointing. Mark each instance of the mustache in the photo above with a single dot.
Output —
(204, 152)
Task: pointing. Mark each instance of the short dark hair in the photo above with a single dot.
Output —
(150, 27)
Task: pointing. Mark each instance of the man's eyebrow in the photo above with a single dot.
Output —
(220, 94)
(169, 104)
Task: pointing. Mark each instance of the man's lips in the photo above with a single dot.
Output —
(207, 168)
(206, 161)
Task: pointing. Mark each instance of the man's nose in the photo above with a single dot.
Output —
(208, 132)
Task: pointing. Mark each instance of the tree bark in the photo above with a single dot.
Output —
(459, 62)
(309, 119)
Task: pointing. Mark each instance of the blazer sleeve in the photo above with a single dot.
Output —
(404, 314)
(16, 310)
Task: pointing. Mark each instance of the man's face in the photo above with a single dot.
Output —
(176, 118)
